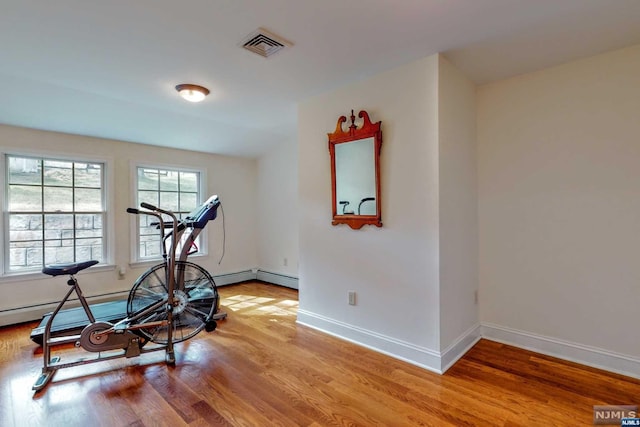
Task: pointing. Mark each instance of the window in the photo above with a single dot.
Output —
(55, 212)
(177, 190)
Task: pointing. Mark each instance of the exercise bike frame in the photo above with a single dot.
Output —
(120, 332)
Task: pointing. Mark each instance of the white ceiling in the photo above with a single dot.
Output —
(108, 68)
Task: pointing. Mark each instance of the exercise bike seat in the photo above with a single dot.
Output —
(59, 269)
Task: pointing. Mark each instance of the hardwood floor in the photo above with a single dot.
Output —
(259, 368)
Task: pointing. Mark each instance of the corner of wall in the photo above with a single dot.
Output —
(458, 225)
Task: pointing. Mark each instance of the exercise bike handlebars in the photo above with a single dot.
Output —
(150, 207)
(170, 258)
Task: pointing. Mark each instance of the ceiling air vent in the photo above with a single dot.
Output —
(265, 43)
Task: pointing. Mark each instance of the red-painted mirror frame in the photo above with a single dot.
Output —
(353, 133)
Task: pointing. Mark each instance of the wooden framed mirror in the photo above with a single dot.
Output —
(355, 172)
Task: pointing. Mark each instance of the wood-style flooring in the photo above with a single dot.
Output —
(259, 368)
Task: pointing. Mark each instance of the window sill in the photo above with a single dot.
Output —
(38, 275)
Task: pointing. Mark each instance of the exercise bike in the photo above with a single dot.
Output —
(169, 303)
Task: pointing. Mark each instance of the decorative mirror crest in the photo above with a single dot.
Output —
(355, 172)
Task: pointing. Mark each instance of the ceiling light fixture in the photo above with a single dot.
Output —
(192, 93)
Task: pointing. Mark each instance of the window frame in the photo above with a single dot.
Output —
(108, 235)
(203, 247)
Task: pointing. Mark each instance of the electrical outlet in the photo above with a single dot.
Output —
(475, 296)
(285, 261)
(352, 298)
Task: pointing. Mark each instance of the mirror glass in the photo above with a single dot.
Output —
(355, 172)
(356, 178)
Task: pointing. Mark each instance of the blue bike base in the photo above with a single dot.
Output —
(73, 320)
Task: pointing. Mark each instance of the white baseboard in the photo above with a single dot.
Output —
(459, 347)
(256, 274)
(432, 360)
(398, 349)
(277, 279)
(573, 352)
(231, 278)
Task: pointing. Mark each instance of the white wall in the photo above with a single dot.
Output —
(559, 211)
(233, 179)
(458, 207)
(277, 209)
(393, 269)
